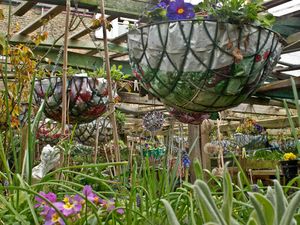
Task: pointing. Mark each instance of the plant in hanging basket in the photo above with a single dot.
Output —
(87, 97)
(201, 65)
(188, 117)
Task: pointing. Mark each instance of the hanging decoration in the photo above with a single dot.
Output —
(49, 132)
(153, 121)
(201, 65)
(188, 117)
(87, 98)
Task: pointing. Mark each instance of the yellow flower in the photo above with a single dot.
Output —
(289, 156)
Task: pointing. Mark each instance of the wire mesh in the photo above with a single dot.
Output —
(87, 98)
(202, 66)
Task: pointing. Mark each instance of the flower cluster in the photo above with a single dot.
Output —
(250, 126)
(289, 156)
(172, 10)
(186, 160)
(71, 206)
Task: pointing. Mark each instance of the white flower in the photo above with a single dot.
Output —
(193, 2)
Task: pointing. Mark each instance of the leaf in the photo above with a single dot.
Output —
(170, 213)
(198, 169)
(263, 208)
(288, 215)
(206, 203)
(227, 197)
(252, 221)
(280, 201)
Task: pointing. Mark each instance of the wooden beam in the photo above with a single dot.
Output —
(92, 27)
(119, 8)
(119, 39)
(135, 98)
(277, 85)
(276, 123)
(117, 55)
(81, 61)
(257, 109)
(73, 44)
(273, 3)
(54, 11)
(266, 101)
(23, 8)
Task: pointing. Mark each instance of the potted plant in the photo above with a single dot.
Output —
(289, 165)
(203, 63)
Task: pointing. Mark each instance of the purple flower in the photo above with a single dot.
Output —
(88, 192)
(108, 204)
(53, 219)
(179, 10)
(120, 211)
(41, 202)
(69, 206)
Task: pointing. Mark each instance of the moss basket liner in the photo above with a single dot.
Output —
(87, 98)
(192, 65)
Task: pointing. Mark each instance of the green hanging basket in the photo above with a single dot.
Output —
(202, 66)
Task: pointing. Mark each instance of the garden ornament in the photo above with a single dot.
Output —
(49, 160)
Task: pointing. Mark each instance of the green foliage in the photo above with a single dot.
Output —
(238, 11)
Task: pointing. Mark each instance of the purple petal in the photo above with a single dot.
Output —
(120, 211)
(51, 197)
(87, 190)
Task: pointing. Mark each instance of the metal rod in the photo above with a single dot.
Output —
(110, 90)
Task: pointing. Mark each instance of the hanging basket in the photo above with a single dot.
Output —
(49, 132)
(188, 117)
(202, 66)
(87, 98)
(86, 133)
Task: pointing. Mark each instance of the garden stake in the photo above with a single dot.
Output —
(110, 90)
(96, 140)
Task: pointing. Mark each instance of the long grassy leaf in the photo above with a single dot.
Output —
(170, 213)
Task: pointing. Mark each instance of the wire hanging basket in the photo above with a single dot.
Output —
(49, 132)
(87, 98)
(86, 133)
(202, 65)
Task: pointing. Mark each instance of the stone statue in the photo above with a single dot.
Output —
(49, 160)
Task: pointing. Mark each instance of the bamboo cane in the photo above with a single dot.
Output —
(64, 77)
(110, 90)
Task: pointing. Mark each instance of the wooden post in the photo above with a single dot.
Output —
(194, 143)
(110, 90)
